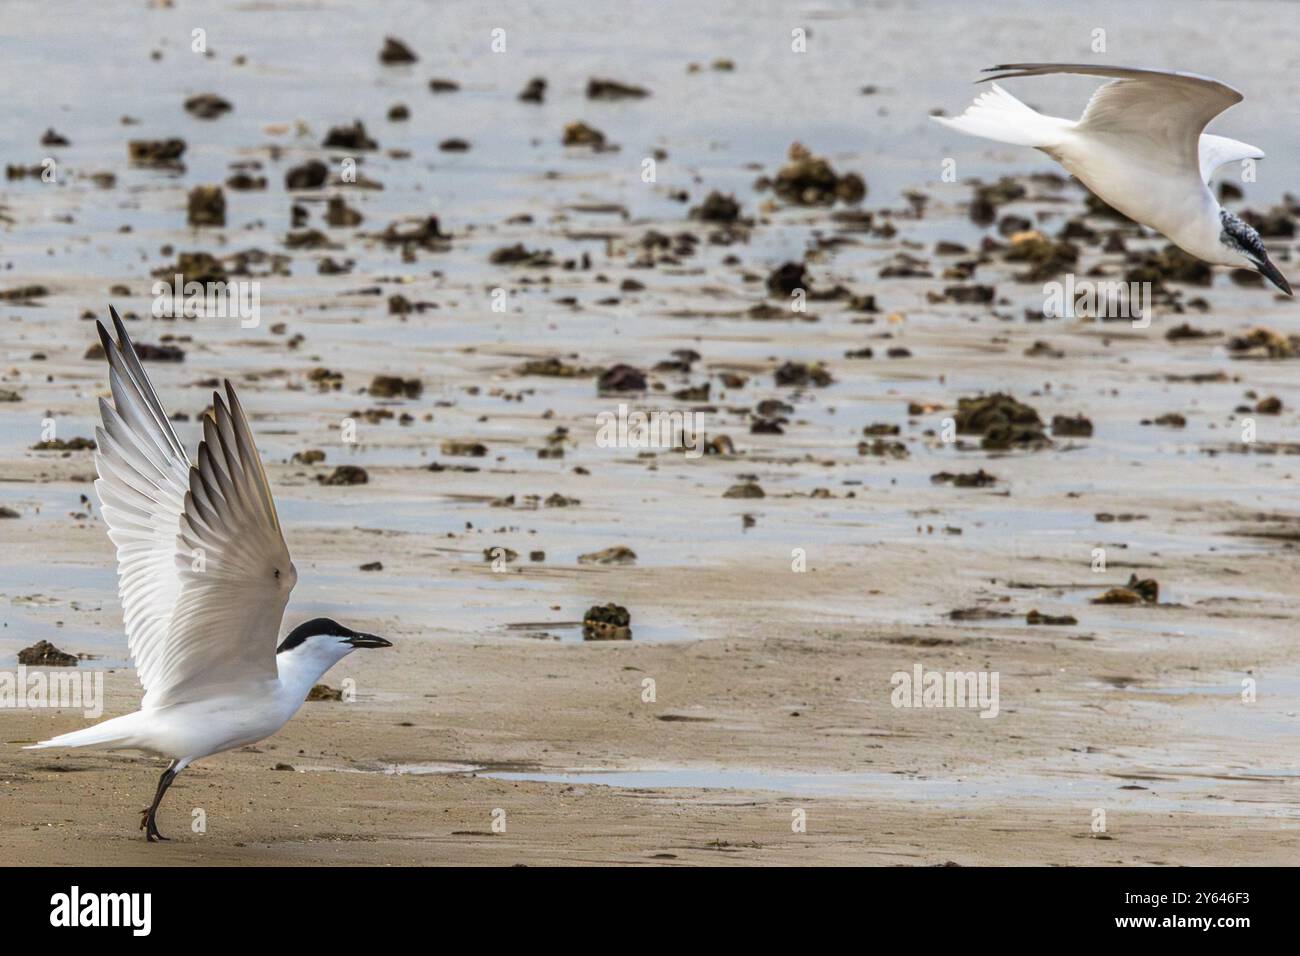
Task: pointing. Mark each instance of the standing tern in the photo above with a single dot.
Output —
(204, 580)
(1140, 147)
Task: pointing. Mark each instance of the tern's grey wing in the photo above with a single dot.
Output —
(1157, 116)
(143, 477)
(1013, 70)
(235, 569)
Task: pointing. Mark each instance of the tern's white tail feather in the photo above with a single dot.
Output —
(998, 115)
(118, 733)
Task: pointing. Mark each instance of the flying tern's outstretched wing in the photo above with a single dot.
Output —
(1158, 115)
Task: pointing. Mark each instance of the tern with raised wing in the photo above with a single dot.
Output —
(1141, 147)
(204, 579)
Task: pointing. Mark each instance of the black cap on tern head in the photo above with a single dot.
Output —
(325, 626)
(1239, 235)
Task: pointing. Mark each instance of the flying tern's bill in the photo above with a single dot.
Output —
(1140, 146)
(204, 577)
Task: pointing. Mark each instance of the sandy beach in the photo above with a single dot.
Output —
(835, 534)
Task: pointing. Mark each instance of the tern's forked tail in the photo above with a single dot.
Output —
(118, 733)
(999, 116)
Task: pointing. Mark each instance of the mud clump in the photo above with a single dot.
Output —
(615, 555)
(799, 374)
(968, 294)
(339, 215)
(989, 196)
(1036, 617)
(1188, 332)
(423, 233)
(621, 378)
(808, 180)
(1065, 426)
(345, 475)
(1272, 405)
(23, 293)
(394, 386)
(1046, 258)
(607, 622)
(310, 175)
(308, 239)
(786, 278)
(553, 367)
(207, 206)
(883, 448)
(207, 106)
(201, 267)
(65, 444)
(1260, 342)
(349, 137)
(717, 208)
(1136, 591)
(395, 52)
(321, 692)
(159, 353)
(1004, 422)
(45, 654)
(580, 134)
(746, 489)
(164, 153)
(1167, 420)
(246, 182)
(534, 92)
(598, 89)
(521, 255)
(973, 479)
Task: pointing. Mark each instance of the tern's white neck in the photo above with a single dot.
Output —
(302, 667)
(1200, 231)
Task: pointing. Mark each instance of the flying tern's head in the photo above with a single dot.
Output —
(321, 637)
(1245, 241)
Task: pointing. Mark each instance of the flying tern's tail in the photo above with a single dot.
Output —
(118, 733)
(997, 115)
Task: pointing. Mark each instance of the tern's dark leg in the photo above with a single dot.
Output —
(148, 821)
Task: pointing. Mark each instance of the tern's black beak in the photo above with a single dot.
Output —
(1272, 274)
(368, 640)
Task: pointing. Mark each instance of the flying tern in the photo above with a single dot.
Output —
(1140, 146)
(204, 578)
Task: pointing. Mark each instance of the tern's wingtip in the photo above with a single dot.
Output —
(119, 326)
(105, 339)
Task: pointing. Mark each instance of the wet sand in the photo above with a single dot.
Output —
(772, 687)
